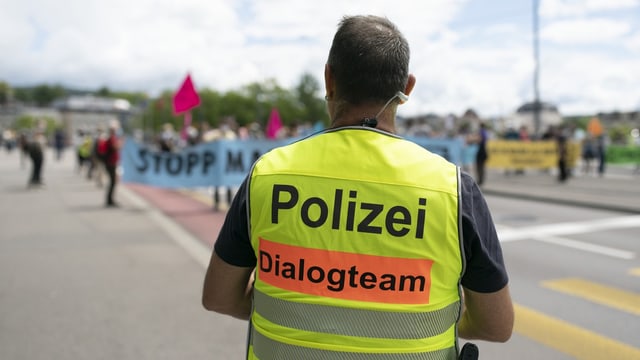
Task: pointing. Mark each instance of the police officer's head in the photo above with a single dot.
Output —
(368, 60)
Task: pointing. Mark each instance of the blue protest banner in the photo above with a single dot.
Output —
(225, 162)
(192, 167)
(450, 149)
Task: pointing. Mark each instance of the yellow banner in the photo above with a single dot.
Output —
(528, 154)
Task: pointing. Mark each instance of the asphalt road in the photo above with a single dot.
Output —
(574, 277)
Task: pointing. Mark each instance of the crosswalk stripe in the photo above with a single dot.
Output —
(568, 228)
(601, 294)
(584, 246)
(569, 339)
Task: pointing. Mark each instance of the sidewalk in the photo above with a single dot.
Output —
(617, 190)
(81, 281)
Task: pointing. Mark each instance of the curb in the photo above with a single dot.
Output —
(562, 201)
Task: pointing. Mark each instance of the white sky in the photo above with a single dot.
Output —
(465, 53)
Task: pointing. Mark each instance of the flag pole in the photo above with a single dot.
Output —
(186, 122)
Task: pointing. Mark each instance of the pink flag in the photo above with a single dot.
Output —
(274, 125)
(186, 98)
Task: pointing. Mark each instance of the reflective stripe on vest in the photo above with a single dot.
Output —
(356, 233)
(265, 348)
(371, 324)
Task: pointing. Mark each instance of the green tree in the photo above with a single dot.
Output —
(159, 112)
(619, 134)
(209, 109)
(5, 93)
(269, 95)
(104, 92)
(24, 95)
(237, 105)
(249, 103)
(27, 122)
(43, 95)
(308, 91)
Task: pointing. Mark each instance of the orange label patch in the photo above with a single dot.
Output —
(345, 275)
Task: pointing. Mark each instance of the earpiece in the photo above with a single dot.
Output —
(402, 96)
(373, 122)
(370, 122)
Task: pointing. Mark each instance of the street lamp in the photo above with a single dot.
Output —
(536, 55)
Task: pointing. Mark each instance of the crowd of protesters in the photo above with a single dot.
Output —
(474, 134)
(91, 162)
(168, 138)
(97, 156)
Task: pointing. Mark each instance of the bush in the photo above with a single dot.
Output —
(623, 154)
(26, 123)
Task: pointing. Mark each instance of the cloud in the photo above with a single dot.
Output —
(559, 8)
(585, 31)
(460, 63)
(632, 42)
(589, 82)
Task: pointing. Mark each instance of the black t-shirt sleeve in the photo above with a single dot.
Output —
(485, 270)
(233, 245)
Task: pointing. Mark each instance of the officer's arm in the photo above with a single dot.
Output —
(487, 316)
(228, 288)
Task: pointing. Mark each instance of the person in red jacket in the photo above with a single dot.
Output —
(111, 160)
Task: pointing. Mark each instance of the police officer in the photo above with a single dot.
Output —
(355, 243)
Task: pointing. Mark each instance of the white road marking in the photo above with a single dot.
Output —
(548, 233)
(580, 245)
(515, 234)
(194, 247)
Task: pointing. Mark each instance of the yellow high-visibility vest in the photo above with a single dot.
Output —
(357, 237)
